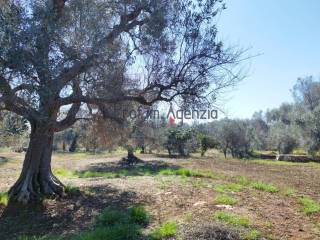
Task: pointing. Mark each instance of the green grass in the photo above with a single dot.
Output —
(139, 215)
(242, 180)
(199, 183)
(114, 224)
(188, 173)
(64, 173)
(4, 198)
(229, 187)
(265, 187)
(309, 205)
(225, 199)
(93, 174)
(231, 219)
(284, 163)
(166, 230)
(258, 185)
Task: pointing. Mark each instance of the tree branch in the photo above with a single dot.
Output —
(127, 23)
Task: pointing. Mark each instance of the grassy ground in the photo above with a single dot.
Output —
(197, 198)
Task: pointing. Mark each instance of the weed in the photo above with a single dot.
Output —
(309, 205)
(266, 187)
(166, 230)
(242, 180)
(225, 199)
(199, 183)
(252, 235)
(231, 219)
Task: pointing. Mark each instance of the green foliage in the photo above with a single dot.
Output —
(226, 199)
(283, 137)
(309, 205)
(166, 230)
(181, 141)
(231, 219)
(4, 198)
(233, 136)
(266, 187)
(206, 142)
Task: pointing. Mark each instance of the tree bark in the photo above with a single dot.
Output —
(37, 180)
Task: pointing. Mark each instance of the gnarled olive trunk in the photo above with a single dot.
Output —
(36, 179)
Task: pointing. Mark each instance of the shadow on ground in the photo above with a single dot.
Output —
(118, 169)
(70, 214)
(208, 231)
(3, 160)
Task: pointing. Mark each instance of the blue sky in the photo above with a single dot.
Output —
(287, 35)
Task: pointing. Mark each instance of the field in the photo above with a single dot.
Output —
(196, 198)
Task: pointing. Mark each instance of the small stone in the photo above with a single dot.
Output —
(200, 203)
(228, 207)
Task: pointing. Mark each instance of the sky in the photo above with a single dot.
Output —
(285, 35)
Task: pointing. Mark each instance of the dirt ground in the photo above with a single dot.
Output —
(188, 200)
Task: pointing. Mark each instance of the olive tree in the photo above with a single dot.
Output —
(306, 93)
(67, 54)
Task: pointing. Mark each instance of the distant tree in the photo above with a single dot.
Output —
(307, 92)
(205, 142)
(282, 114)
(234, 136)
(260, 131)
(13, 131)
(181, 141)
(283, 138)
